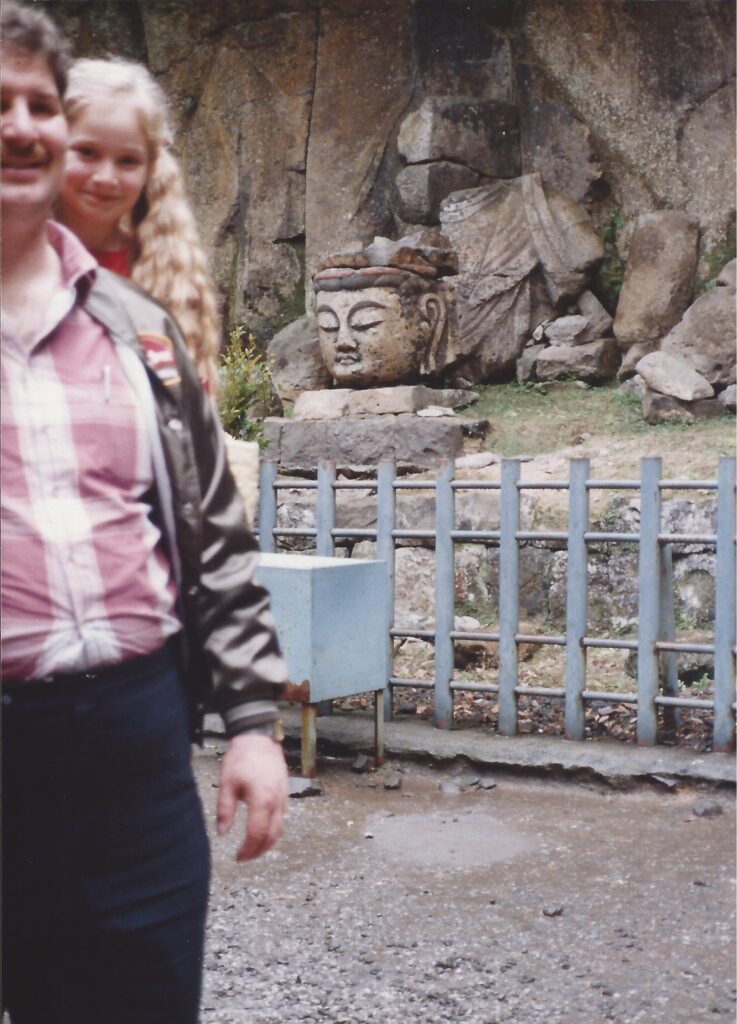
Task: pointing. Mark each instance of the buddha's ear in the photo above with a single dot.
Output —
(435, 314)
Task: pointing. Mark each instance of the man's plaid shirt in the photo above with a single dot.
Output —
(85, 579)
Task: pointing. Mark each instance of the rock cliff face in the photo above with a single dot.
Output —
(293, 130)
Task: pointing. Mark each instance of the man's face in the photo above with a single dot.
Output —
(33, 130)
(365, 337)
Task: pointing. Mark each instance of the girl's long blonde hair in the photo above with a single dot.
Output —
(169, 261)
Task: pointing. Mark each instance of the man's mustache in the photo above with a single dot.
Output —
(34, 153)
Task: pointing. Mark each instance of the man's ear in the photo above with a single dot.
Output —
(434, 313)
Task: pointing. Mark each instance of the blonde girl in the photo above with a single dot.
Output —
(123, 195)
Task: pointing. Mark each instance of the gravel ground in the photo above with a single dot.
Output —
(530, 902)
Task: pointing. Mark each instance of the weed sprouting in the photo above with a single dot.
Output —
(245, 383)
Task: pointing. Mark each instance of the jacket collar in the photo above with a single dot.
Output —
(113, 302)
(106, 304)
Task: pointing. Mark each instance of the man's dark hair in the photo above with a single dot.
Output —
(36, 34)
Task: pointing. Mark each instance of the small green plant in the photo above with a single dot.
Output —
(611, 518)
(245, 384)
(611, 271)
(703, 683)
(686, 621)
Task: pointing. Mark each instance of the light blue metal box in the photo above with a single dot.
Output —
(331, 618)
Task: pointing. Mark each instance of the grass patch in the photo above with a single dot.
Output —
(526, 420)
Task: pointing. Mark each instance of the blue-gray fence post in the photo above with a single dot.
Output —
(649, 602)
(726, 609)
(325, 511)
(444, 594)
(267, 506)
(668, 660)
(576, 597)
(386, 515)
(324, 541)
(508, 596)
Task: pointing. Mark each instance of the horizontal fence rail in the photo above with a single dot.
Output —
(656, 699)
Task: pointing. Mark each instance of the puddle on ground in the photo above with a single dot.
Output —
(463, 840)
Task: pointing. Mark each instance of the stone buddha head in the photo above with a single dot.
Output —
(380, 325)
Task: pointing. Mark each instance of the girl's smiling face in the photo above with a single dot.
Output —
(107, 168)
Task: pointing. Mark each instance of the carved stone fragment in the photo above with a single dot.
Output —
(519, 247)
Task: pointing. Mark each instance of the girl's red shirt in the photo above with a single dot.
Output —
(120, 261)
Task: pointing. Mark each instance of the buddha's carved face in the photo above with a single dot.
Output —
(369, 336)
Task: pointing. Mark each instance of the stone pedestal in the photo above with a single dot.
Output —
(410, 439)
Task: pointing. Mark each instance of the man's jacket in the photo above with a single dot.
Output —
(230, 656)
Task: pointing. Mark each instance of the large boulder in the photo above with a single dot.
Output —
(637, 75)
(659, 277)
(630, 359)
(728, 398)
(600, 322)
(612, 582)
(414, 575)
(594, 362)
(527, 362)
(553, 140)
(705, 337)
(568, 330)
(295, 361)
(707, 156)
(480, 134)
(672, 375)
(727, 277)
(589, 324)
(659, 408)
(421, 188)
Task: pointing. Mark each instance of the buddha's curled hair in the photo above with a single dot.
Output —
(169, 261)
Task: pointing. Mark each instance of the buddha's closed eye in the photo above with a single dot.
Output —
(328, 323)
(365, 325)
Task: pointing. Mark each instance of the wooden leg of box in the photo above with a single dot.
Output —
(309, 740)
(379, 726)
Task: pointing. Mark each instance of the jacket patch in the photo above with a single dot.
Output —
(159, 353)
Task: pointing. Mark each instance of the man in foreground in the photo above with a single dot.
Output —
(127, 603)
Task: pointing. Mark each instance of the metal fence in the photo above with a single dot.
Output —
(656, 645)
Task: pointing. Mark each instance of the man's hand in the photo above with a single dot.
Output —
(254, 771)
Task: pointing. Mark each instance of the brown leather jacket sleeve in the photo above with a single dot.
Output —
(232, 659)
(234, 625)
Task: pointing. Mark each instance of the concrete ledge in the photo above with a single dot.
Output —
(616, 763)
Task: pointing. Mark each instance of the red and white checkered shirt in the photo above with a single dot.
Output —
(85, 578)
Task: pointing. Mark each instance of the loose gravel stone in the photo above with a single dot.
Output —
(487, 784)
(703, 807)
(553, 910)
(361, 764)
(304, 787)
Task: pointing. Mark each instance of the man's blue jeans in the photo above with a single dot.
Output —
(106, 862)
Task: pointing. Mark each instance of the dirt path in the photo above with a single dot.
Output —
(529, 903)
